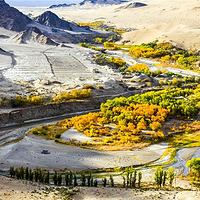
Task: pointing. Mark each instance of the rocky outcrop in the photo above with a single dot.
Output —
(12, 19)
(33, 34)
(48, 18)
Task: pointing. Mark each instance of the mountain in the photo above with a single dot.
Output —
(62, 5)
(12, 19)
(102, 2)
(48, 18)
(47, 28)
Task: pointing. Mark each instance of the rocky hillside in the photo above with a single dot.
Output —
(48, 18)
(47, 28)
(33, 34)
(11, 18)
(101, 2)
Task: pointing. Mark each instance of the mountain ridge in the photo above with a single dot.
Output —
(100, 2)
(12, 19)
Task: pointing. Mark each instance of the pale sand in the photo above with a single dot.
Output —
(11, 189)
(176, 21)
(27, 152)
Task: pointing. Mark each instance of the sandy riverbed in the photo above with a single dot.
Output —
(28, 153)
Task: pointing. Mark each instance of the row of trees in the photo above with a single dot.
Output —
(161, 176)
(73, 94)
(131, 177)
(68, 179)
(20, 100)
(37, 175)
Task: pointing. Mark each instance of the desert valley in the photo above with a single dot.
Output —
(100, 100)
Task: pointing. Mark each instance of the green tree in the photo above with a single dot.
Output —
(171, 175)
(83, 179)
(12, 172)
(95, 183)
(67, 179)
(133, 182)
(164, 178)
(139, 179)
(55, 178)
(158, 176)
(104, 181)
(75, 181)
(26, 173)
(111, 181)
(59, 178)
(47, 177)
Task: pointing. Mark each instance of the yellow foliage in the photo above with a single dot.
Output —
(111, 46)
(139, 68)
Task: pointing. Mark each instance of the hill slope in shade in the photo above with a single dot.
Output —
(48, 18)
(12, 19)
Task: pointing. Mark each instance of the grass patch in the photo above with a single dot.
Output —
(172, 153)
(187, 139)
(50, 132)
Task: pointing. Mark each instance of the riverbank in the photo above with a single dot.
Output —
(13, 117)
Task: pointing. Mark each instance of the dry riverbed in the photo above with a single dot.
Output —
(27, 152)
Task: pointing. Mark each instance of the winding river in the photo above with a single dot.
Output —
(16, 146)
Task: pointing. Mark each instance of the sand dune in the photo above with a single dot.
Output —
(176, 21)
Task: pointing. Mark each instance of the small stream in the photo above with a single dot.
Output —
(182, 156)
